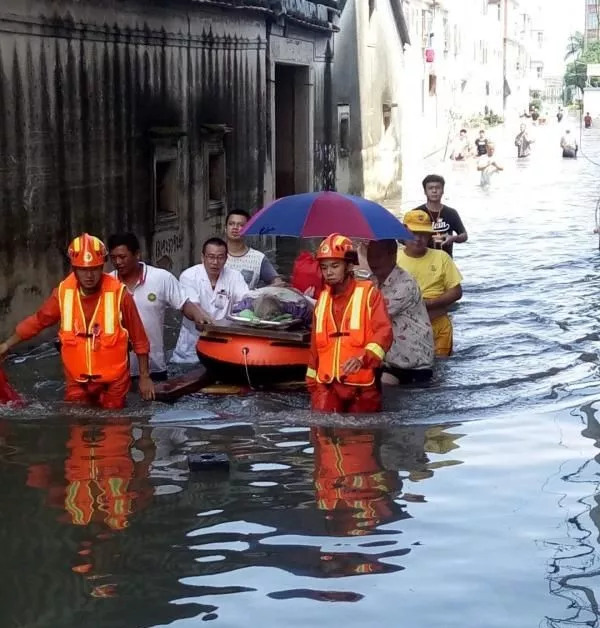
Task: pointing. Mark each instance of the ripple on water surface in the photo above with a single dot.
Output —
(471, 502)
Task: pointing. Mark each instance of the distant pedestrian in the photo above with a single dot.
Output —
(461, 149)
(523, 142)
(569, 145)
(587, 120)
(481, 143)
(488, 165)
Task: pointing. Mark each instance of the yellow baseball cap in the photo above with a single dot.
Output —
(418, 221)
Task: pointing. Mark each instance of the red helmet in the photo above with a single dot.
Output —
(336, 246)
(87, 251)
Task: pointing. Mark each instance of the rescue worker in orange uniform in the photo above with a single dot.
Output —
(350, 336)
(98, 319)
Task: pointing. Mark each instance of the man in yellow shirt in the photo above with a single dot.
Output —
(437, 276)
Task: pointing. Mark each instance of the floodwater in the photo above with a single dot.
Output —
(473, 503)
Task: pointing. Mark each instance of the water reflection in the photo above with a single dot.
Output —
(575, 567)
(320, 513)
(117, 515)
(104, 478)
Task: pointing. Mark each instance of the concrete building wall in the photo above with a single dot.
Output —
(592, 21)
(591, 101)
(518, 32)
(152, 118)
(367, 90)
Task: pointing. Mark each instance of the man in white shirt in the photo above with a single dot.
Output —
(153, 290)
(488, 165)
(254, 265)
(214, 287)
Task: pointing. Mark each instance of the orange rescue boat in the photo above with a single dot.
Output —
(235, 352)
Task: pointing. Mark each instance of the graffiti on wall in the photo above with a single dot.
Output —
(167, 248)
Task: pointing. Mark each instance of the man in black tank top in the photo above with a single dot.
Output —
(447, 224)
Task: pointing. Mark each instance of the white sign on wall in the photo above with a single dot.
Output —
(593, 69)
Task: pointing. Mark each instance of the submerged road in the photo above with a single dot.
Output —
(468, 504)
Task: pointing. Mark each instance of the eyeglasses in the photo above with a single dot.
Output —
(215, 258)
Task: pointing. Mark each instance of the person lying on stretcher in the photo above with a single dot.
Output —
(274, 304)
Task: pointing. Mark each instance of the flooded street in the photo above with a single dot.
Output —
(469, 504)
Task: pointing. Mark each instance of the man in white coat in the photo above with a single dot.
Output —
(214, 288)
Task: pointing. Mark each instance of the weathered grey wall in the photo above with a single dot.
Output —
(86, 85)
(367, 75)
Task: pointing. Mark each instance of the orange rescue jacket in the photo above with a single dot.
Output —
(97, 351)
(336, 346)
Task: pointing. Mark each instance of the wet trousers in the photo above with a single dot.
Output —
(109, 396)
(336, 397)
(442, 336)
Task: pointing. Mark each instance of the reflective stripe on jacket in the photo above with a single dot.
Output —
(97, 351)
(336, 346)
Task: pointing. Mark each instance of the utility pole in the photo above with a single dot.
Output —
(504, 57)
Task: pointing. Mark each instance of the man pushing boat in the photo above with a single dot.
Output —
(350, 336)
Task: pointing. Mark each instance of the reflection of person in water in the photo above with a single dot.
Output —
(104, 480)
(353, 489)
(101, 482)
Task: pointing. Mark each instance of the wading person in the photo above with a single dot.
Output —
(448, 228)
(523, 142)
(410, 358)
(569, 146)
(254, 265)
(437, 276)
(488, 165)
(350, 336)
(98, 319)
(153, 290)
(481, 143)
(462, 148)
(212, 286)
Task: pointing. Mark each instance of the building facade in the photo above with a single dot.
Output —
(407, 73)
(368, 93)
(155, 118)
(453, 69)
(592, 21)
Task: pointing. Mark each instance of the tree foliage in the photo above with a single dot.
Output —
(576, 71)
(575, 46)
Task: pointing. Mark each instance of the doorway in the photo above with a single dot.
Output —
(293, 137)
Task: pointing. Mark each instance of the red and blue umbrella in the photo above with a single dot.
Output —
(318, 214)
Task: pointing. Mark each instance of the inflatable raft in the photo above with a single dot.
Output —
(235, 353)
